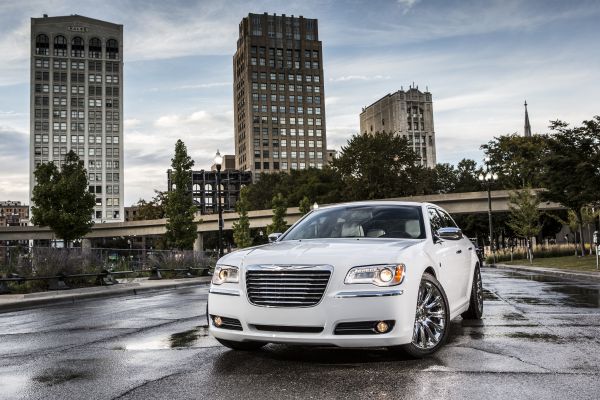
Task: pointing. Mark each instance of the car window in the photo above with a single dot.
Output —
(373, 221)
(447, 221)
(435, 220)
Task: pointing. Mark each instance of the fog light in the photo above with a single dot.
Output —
(217, 321)
(382, 327)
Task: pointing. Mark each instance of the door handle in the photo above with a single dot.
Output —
(470, 248)
(458, 251)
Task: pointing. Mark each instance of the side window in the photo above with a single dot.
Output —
(434, 220)
(447, 221)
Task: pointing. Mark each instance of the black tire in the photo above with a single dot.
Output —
(475, 310)
(243, 346)
(420, 347)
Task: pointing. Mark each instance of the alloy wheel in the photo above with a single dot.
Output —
(430, 319)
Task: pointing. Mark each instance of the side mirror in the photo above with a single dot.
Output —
(274, 236)
(450, 233)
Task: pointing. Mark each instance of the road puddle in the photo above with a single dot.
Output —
(543, 337)
(55, 377)
(556, 291)
(186, 339)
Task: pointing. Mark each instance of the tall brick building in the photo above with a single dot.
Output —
(279, 101)
(77, 102)
(406, 113)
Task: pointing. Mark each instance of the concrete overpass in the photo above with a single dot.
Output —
(454, 203)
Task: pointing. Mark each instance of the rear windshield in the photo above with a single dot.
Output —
(373, 221)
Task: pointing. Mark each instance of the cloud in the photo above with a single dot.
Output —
(359, 78)
(407, 5)
(205, 85)
(131, 123)
(14, 164)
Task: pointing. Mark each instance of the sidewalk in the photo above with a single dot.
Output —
(575, 275)
(12, 302)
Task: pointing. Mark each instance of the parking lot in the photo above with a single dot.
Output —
(540, 338)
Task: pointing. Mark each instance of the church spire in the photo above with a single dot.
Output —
(527, 131)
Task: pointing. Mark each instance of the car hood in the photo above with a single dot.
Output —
(347, 252)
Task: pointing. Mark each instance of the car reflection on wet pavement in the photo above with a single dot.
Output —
(540, 338)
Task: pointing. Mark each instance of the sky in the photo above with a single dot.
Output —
(480, 60)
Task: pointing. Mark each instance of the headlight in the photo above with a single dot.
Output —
(380, 275)
(225, 274)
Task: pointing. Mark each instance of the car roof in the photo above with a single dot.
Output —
(379, 202)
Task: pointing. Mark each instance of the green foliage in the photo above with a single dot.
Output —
(448, 179)
(524, 213)
(241, 228)
(180, 210)
(304, 206)
(570, 167)
(279, 225)
(322, 185)
(153, 209)
(61, 200)
(377, 166)
(517, 160)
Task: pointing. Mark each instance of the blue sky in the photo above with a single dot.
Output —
(480, 60)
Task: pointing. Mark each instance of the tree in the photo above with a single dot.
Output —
(180, 209)
(525, 216)
(278, 225)
(517, 159)
(571, 167)
(321, 185)
(446, 178)
(241, 228)
(153, 209)
(376, 167)
(466, 176)
(304, 206)
(61, 199)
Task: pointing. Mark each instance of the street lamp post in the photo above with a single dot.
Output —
(218, 163)
(488, 178)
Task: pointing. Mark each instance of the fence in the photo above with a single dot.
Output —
(24, 268)
(539, 251)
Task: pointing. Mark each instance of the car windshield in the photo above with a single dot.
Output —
(372, 221)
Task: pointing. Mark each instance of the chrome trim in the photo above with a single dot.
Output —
(347, 295)
(273, 267)
(225, 292)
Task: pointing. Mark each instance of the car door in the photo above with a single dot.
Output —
(462, 268)
(447, 254)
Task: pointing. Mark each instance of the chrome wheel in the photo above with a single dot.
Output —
(430, 319)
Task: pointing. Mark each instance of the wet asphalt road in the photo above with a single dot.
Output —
(540, 339)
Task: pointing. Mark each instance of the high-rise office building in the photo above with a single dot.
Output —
(406, 113)
(279, 100)
(77, 102)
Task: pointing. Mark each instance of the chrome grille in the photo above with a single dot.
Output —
(283, 287)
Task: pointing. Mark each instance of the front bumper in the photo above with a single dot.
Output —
(397, 304)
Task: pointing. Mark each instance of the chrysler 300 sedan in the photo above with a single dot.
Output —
(366, 274)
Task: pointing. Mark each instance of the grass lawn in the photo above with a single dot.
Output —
(587, 263)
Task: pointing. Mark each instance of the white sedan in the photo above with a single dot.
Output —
(366, 274)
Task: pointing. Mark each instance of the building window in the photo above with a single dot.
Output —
(42, 45)
(112, 49)
(60, 46)
(77, 47)
(95, 48)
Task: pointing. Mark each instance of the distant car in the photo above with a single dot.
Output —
(366, 274)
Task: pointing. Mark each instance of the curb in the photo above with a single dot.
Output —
(579, 276)
(66, 298)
